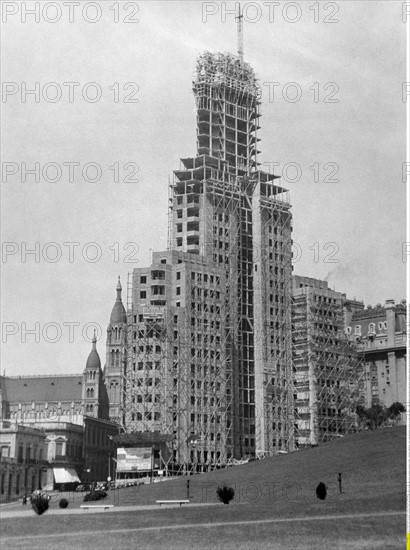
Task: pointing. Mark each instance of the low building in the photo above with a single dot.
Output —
(77, 453)
(72, 412)
(380, 335)
(64, 447)
(23, 460)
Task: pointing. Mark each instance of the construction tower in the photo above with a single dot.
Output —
(209, 343)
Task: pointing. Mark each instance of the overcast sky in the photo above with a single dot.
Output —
(362, 136)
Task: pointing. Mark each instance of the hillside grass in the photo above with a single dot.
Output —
(275, 496)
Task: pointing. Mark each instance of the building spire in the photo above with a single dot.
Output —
(118, 314)
(239, 27)
(119, 289)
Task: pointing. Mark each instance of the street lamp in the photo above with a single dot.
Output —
(192, 443)
(110, 437)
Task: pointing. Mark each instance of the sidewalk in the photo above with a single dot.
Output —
(29, 512)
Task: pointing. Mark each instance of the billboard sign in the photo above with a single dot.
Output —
(153, 312)
(134, 459)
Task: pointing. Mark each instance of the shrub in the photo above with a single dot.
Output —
(225, 494)
(39, 504)
(94, 495)
(63, 503)
(394, 410)
(321, 491)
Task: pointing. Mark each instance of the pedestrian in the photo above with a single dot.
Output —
(24, 500)
(339, 479)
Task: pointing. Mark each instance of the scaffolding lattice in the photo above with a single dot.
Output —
(215, 368)
(327, 369)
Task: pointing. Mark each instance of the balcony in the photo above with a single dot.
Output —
(301, 403)
(158, 275)
(31, 461)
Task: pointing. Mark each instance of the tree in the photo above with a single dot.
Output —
(377, 414)
(361, 415)
(395, 410)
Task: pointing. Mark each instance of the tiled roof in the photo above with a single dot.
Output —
(93, 361)
(372, 313)
(118, 314)
(42, 388)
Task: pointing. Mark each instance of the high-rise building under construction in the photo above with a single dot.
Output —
(203, 352)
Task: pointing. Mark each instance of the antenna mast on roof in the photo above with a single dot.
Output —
(239, 21)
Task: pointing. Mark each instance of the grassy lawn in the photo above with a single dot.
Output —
(274, 506)
(225, 527)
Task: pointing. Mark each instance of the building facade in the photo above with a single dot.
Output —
(23, 460)
(327, 369)
(64, 453)
(380, 335)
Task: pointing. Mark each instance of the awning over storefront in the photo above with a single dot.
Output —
(66, 475)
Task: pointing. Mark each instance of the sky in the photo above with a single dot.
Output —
(333, 122)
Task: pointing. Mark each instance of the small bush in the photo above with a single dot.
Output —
(225, 494)
(63, 503)
(321, 491)
(94, 495)
(39, 504)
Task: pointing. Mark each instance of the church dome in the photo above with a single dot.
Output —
(118, 314)
(93, 361)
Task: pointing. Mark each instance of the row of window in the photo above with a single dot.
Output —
(158, 290)
(382, 325)
(117, 332)
(148, 349)
(206, 339)
(147, 381)
(324, 299)
(147, 398)
(40, 414)
(205, 385)
(212, 309)
(205, 354)
(212, 324)
(199, 277)
(7, 484)
(149, 365)
(202, 401)
(32, 453)
(138, 417)
(199, 292)
(204, 419)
